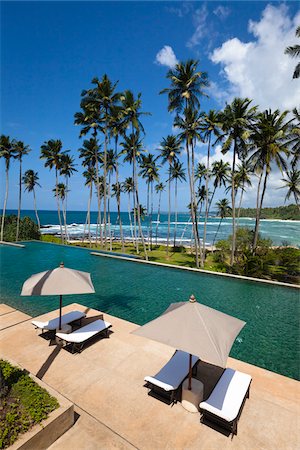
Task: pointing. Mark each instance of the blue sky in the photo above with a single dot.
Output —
(50, 51)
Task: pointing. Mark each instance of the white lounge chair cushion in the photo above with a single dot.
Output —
(54, 323)
(83, 334)
(173, 373)
(227, 397)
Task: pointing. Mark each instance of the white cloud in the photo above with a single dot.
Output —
(201, 26)
(166, 57)
(222, 12)
(259, 69)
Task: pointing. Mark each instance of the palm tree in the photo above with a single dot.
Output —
(294, 52)
(132, 148)
(210, 126)
(159, 188)
(149, 171)
(90, 179)
(30, 181)
(52, 151)
(223, 210)
(177, 173)
(128, 187)
(91, 155)
(200, 172)
(292, 182)
(7, 152)
(170, 148)
(235, 122)
(187, 86)
(67, 169)
(20, 151)
(60, 191)
(243, 178)
(111, 166)
(220, 174)
(131, 111)
(269, 145)
(294, 138)
(190, 124)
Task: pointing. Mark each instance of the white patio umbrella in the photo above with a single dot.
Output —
(60, 281)
(195, 329)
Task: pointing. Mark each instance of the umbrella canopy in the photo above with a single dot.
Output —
(195, 329)
(60, 281)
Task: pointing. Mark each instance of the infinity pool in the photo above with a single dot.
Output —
(140, 292)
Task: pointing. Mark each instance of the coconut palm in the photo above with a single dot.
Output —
(60, 191)
(90, 180)
(67, 169)
(149, 171)
(128, 187)
(235, 122)
(159, 188)
(170, 148)
(243, 179)
(294, 52)
(132, 149)
(220, 173)
(131, 111)
(177, 173)
(223, 210)
(31, 180)
(190, 123)
(269, 145)
(111, 165)
(20, 151)
(200, 172)
(210, 127)
(292, 182)
(91, 155)
(187, 84)
(294, 138)
(7, 152)
(52, 152)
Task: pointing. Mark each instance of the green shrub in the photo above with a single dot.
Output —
(25, 404)
(28, 229)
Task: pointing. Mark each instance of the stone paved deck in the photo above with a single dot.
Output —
(105, 382)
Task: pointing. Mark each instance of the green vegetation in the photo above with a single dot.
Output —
(28, 229)
(23, 403)
(290, 212)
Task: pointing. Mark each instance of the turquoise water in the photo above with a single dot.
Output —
(140, 292)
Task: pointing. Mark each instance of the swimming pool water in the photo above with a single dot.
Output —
(140, 292)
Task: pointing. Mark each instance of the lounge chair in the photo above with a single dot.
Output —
(225, 403)
(167, 382)
(53, 324)
(79, 337)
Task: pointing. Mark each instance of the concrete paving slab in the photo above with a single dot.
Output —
(4, 309)
(12, 318)
(106, 381)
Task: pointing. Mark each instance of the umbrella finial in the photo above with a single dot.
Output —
(62, 265)
(192, 299)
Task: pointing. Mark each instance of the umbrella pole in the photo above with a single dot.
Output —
(190, 374)
(60, 307)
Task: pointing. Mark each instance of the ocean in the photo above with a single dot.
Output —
(281, 232)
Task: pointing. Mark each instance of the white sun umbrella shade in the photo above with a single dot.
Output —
(195, 329)
(60, 281)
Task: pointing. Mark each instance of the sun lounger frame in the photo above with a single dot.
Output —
(78, 346)
(227, 425)
(174, 395)
(52, 332)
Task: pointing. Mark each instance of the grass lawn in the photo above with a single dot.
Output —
(23, 403)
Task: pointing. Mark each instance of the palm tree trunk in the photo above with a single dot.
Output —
(257, 207)
(233, 205)
(5, 203)
(65, 210)
(259, 211)
(217, 232)
(194, 202)
(158, 217)
(119, 206)
(20, 199)
(130, 221)
(175, 226)
(169, 210)
(138, 210)
(58, 206)
(89, 213)
(108, 212)
(151, 215)
(104, 191)
(206, 203)
(35, 209)
(240, 203)
(148, 216)
(134, 210)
